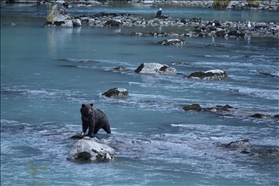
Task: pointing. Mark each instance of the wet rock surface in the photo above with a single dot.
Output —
(155, 68)
(116, 93)
(87, 149)
(245, 147)
(209, 75)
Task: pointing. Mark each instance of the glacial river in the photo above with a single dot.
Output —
(47, 73)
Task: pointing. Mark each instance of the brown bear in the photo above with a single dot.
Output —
(94, 119)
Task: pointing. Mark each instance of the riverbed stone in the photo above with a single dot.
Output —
(88, 149)
(194, 107)
(76, 22)
(174, 42)
(242, 146)
(209, 75)
(155, 68)
(116, 93)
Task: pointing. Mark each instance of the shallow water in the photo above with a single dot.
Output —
(47, 73)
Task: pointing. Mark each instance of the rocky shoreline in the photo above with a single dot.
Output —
(195, 27)
(269, 5)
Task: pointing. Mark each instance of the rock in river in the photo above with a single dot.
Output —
(209, 75)
(155, 68)
(175, 42)
(116, 93)
(89, 150)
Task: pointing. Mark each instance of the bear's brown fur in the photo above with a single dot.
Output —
(94, 119)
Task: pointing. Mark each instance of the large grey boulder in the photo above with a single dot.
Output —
(155, 68)
(87, 149)
(209, 75)
(76, 22)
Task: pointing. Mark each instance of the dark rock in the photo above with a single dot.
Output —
(155, 68)
(257, 115)
(77, 136)
(113, 23)
(209, 75)
(116, 93)
(239, 144)
(242, 146)
(268, 74)
(195, 107)
(224, 108)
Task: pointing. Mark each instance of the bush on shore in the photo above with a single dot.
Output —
(220, 4)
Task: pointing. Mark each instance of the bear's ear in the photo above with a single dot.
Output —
(83, 105)
(91, 104)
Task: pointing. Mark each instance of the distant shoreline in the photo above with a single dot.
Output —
(272, 5)
(194, 27)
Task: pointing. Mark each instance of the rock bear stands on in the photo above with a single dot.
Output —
(94, 119)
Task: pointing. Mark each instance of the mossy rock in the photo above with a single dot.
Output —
(220, 4)
(194, 107)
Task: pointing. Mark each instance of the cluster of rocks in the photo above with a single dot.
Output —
(271, 5)
(195, 27)
(163, 69)
(226, 110)
(245, 147)
(155, 68)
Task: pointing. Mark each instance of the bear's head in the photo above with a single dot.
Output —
(86, 110)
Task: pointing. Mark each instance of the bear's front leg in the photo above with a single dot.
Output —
(84, 126)
(91, 128)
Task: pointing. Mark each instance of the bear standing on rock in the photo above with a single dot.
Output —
(94, 119)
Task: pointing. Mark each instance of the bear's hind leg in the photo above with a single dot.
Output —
(107, 128)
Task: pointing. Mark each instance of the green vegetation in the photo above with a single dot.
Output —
(34, 170)
(220, 4)
(52, 13)
(253, 3)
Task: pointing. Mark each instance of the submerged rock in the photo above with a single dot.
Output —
(120, 68)
(258, 115)
(174, 42)
(11, 24)
(243, 146)
(209, 75)
(116, 93)
(155, 68)
(195, 107)
(89, 150)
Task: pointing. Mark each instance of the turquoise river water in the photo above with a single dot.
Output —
(47, 73)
